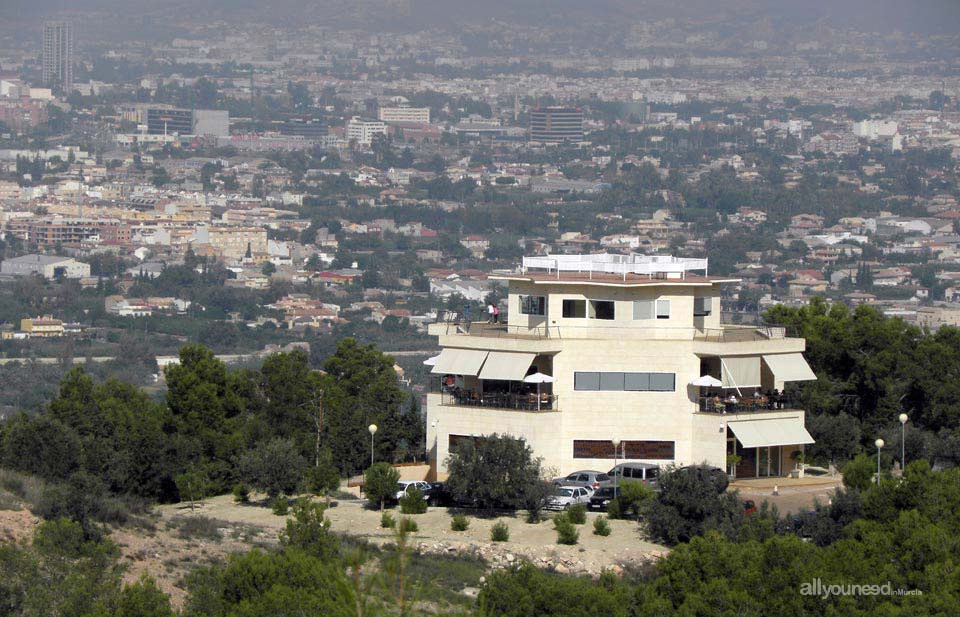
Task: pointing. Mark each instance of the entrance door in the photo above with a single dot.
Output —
(768, 462)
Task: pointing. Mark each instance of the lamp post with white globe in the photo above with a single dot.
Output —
(879, 444)
(373, 431)
(903, 440)
(616, 446)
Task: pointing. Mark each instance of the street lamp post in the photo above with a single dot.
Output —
(879, 444)
(616, 446)
(903, 441)
(373, 431)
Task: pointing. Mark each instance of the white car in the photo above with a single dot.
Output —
(566, 496)
(406, 486)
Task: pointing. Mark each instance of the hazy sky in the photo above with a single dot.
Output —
(941, 16)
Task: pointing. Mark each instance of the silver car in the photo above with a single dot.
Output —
(586, 478)
(566, 496)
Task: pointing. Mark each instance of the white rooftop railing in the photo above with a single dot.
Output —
(621, 265)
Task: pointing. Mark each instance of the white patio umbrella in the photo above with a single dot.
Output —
(432, 361)
(706, 381)
(538, 378)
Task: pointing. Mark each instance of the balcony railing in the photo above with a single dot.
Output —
(500, 400)
(744, 334)
(747, 404)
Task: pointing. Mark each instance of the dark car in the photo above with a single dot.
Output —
(438, 495)
(601, 498)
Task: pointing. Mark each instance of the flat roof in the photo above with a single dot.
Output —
(612, 280)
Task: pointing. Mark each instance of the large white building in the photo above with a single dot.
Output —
(47, 266)
(623, 341)
(412, 115)
(363, 131)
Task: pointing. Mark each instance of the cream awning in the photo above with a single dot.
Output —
(507, 365)
(459, 362)
(740, 371)
(773, 432)
(789, 367)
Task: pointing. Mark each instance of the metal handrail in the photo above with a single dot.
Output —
(506, 400)
(746, 404)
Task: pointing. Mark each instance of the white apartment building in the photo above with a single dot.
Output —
(363, 131)
(413, 115)
(619, 344)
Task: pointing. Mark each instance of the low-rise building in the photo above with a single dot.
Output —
(47, 266)
(42, 327)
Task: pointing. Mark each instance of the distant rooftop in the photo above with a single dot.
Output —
(650, 266)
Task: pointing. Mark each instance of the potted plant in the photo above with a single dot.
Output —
(732, 461)
(798, 456)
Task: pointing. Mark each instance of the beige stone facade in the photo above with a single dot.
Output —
(622, 350)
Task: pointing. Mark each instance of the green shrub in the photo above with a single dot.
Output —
(413, 502)
(613, 509)
(408, 525)
(380, 483)
(387, 521)
(241, 494)
(601, 527)
(634, 497)
(566, 531)
(459, 522)
(577, 514)
(281, 505)
(500, 532)
(859, 473)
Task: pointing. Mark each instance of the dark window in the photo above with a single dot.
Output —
(586, 381)
(574, 309)
(453, 441)
(602, 309)
(624, 382)
(702, 306)
(611, 382)
(662, 382)
(533, 305)
(602, 448)
(636, 382)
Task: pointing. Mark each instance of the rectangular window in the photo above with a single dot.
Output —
(702, 306)
(586, 381)
(614, 381)
(602, 448)
(643, 309)
(663, 309)
(533, 305)
(662, 382)
(602, 309)
(611, 382)
(636, 382)
(574, 309)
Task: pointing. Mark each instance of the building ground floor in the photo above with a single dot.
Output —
(755, 444)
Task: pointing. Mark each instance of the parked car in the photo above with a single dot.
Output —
(601, 498)
(647, 473)
(587, 478)
(404, 487)
(439, 495)
(566, 496)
